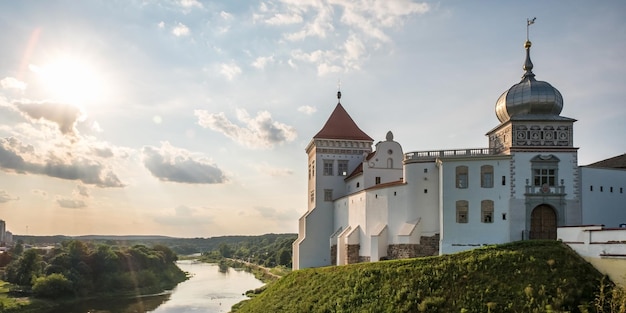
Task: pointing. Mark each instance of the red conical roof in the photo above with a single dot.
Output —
(341, 126)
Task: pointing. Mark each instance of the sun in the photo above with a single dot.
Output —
(71, 80)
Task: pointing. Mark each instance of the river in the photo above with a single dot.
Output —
(207, 291)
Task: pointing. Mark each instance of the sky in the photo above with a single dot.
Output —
(189, 118)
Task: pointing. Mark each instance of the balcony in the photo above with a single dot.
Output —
(434, 154)
(545, 190)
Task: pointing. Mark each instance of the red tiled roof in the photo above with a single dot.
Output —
(614, 162)
(341, 126)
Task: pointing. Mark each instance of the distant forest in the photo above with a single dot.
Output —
(268, 250)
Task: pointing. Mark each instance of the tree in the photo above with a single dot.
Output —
(52, 286)
(23, 270)
(19, 247)
(225, 250)
(283, 257)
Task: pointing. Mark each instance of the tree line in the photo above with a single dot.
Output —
(268, 250)
(79, 269)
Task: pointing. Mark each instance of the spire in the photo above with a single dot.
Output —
(338, 91)
(528, 64)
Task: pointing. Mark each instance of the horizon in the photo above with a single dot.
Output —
(190, 118)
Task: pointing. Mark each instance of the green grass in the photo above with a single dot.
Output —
(528, 276)
(9, 304)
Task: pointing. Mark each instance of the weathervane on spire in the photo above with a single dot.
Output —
(528, 23)
(339, 89)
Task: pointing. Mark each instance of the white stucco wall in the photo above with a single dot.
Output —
(312, 248)
(422, 194)
(463, 236)
(603, 196)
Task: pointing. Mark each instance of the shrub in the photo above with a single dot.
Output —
(52, 286)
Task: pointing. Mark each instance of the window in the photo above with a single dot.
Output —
(309, 171)
(328, 195)
(461, 177)
(591, 188)
(342, 167)
(461, 211)
(601, 188)
(313, 168)
(425, 170)
(486, 211)
(389, 163)
(504, 216)
(486, 176)
(544, 177)
(358, 185)
(425, 190)
(312, 195)
(328, 167)
(503, 180)
(611, 189)
(377, 180)
(544, 170)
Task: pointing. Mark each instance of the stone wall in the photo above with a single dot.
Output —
(428, 246)
(352, 254)
(333, 255)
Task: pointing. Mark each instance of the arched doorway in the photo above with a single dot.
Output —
(543, 222)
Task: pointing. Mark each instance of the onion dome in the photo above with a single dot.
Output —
(529, 97)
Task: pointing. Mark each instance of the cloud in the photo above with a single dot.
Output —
(351, 29)
(82, 191)
(230, 71)
(6, 197)
(190, 4)
(275, 215)
(261, 62)
(308, 110)
(12, 83)
(226, 16)
(22, 158)
(180, 30)
(64, 116)
(71, 203)
(171, 164)
(161, 24)
(284, 19)
(274, 171)
(185, 217)
(258, 132)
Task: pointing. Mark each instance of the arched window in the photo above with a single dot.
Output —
(389, 163)
(486, 176)
(486, 211)
(462, 210)
(461, 176)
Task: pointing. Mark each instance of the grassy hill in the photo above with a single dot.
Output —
(525, 276)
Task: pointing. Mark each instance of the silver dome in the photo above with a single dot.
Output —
(529, 97)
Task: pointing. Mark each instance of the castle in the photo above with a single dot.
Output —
(370, 202)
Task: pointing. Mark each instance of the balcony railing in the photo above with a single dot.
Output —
(545, 190)
(424, 155)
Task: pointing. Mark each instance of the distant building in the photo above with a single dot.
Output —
(3, 229)
(8, 237)
(368, 202)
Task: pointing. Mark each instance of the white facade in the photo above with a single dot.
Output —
(603, 193)
(391, 204)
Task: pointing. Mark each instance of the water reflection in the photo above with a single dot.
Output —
(207, 291)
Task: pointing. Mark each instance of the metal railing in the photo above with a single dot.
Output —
(433, 154)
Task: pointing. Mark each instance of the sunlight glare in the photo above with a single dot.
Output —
(71, 80)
